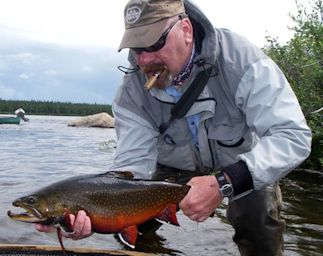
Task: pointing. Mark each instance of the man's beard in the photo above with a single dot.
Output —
(164, 77)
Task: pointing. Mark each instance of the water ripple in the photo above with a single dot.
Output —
(46, 150)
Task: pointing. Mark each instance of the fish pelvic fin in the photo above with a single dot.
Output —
(128, 236)
(168, 215)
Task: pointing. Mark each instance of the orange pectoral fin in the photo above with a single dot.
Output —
(59, 235)
(129, 236)
(66, 223)
(169, 215)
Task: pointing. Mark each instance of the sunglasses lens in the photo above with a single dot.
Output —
(138, 50)
(159, 44)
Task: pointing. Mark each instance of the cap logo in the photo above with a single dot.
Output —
(132, 14)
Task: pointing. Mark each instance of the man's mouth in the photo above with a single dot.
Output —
(152, 79)
(151, 69)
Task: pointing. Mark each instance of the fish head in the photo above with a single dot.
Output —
(38, 209)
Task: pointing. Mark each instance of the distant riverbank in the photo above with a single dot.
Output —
(53, 108)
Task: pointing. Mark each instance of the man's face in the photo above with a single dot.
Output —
(172, 56)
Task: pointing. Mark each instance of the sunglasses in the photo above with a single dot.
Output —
(160, 43)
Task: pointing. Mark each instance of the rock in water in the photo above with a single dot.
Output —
(103, 120)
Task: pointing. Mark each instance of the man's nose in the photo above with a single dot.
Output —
(145, 58)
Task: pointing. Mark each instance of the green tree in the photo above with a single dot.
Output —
(301, 59)
(53, 108)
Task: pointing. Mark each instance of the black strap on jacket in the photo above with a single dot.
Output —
(183, 105)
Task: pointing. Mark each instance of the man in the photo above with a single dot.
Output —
(246, 121)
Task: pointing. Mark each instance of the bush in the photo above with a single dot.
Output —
(301, 59)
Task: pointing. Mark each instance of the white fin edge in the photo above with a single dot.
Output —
(125, 242)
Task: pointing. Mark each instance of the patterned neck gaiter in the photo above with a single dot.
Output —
(186, 71)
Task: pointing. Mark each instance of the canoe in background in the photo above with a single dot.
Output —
(10, 120)
(20, 114)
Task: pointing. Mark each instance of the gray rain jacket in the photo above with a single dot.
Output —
(247, 112)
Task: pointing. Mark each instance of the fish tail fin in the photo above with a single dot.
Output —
(129, 236)
(168, 215)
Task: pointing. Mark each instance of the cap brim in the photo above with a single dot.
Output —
(143, 36)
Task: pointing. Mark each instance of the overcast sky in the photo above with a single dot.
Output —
(47, 46)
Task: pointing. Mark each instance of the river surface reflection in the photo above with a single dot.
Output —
(45, 150)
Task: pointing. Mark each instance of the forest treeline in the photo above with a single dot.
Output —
(301, 60)
(53, 108)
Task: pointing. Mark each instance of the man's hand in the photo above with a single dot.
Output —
(81, 226)
(202, 199)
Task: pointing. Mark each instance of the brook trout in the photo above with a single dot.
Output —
(114, 201)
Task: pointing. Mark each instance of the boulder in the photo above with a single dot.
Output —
(103, 120)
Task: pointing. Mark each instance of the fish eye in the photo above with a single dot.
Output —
(32, 200)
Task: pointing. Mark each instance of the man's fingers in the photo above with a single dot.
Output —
(78, 225)
(81, 225)
(87, 228)
(72, 219)
(44, 228)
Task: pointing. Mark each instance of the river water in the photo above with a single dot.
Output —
(45, 150)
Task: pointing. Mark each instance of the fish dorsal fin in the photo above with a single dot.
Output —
(168, 215)
(129, 236)
(127, 175)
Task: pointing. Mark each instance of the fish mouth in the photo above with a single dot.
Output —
(31, 215)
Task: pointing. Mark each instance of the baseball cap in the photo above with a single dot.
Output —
(145, 21)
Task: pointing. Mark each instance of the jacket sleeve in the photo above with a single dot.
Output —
(272, 111)
(137, 143)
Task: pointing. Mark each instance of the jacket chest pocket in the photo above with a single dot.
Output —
(228, 132)
(230, 138)
(231, 135)
(174, 146)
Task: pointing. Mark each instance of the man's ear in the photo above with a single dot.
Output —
(187, 30)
